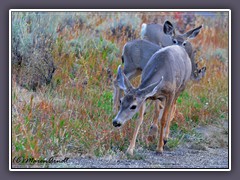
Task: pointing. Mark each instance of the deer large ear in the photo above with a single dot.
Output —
(150, 90)
(168, 28)
(123, 81)
(193, 33)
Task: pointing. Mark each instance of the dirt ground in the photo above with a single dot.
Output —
(207, 148)
(210, 152)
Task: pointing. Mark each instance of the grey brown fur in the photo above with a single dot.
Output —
(163, 78)
(137, 53)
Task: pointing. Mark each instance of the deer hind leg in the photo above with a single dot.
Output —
(154, 127)
(138, 124)
(165, 118)
(167, 128)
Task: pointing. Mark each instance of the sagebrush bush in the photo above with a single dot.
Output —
(124, 26)
(33, 37)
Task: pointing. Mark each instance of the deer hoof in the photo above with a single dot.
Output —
(129, 152)
(159, 153)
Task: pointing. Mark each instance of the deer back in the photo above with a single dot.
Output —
(173, 64)
(154, 33)
(136, 54)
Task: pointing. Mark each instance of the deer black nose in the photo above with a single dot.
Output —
(116, 123)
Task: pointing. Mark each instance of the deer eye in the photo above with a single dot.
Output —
(133, 107)
(120, 101)
(184, 43)
(174, 41)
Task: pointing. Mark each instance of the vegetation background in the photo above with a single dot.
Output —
(63, 64)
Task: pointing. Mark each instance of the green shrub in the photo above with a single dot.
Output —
(33, 36)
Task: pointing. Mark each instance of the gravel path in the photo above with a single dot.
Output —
(211, 151)
(182, 157)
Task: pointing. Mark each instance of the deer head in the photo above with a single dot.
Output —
(183, 41)
(133, 99)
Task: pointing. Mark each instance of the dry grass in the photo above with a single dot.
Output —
(73, 115)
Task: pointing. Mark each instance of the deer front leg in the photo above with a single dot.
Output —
(116, 96)
(164, 120)
(138, 124)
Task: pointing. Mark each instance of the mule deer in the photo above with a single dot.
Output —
(156, 33)
(163, 79)
(137, 53)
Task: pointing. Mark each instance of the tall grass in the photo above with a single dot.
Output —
(73, 114)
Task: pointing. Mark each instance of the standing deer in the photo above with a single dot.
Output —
(163, 78)
(156, 33)
(137, 53)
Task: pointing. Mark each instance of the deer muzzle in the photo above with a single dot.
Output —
(116, 123)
